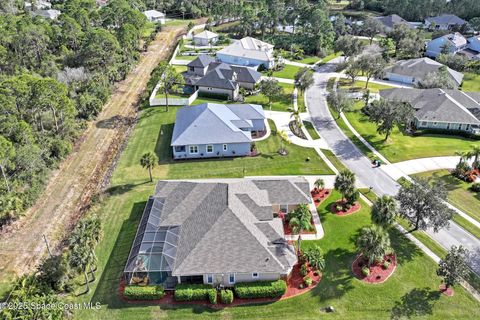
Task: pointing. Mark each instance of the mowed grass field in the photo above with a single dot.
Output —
(411, 292)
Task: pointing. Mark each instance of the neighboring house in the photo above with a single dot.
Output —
(212, 130)
(205, 38)
(440, 109)
(215, 232)
(473, 51)
(248, 52)
(51, 14)
(414, 71)
(452, 43)
(209, 76)
(389, 22)
(444, 22)
(37, 5)
(155, 16)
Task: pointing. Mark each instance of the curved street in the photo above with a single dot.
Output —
(358, 163)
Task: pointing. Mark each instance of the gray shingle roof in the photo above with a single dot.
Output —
(283, 191)
(205, 35)
(201, 61)
(249, 47)
(436, 105)
(224, 227)
(419, 68)
(392, 20)
(209, 123)
(217, 78)
(224, 76)
(446, 19)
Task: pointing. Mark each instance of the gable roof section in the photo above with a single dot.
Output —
(205, 35)
(392, 20)
(456, 39)
(419, 68)
(201, 61)
(207, 123)
(282, 191)
(448, 19)
(436, 105)
(247, 111)
(251, 48)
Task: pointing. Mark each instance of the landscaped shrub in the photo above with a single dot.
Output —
(226, 296)
(212, 296)
(475, 187)
(261, 289)
(192, 292)
(211, 95)
(308, 281)
(385, 265)
(303, 270)
(365, 271)
(144, 292)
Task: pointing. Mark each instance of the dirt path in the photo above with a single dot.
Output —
(80, 176)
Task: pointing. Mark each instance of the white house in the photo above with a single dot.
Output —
(155, 16)
(248, 52)
(205, 38)
(51, 14)
(38, 5)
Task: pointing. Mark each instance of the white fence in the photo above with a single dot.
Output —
(171, 101)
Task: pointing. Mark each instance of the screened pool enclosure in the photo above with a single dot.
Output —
(152, 256)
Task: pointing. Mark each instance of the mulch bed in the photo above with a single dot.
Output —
(355, 208)
(288, 230)
(449, 292)
(377, 273)
(293, 290)
(319, 196)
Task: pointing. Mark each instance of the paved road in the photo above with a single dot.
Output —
(356, 161)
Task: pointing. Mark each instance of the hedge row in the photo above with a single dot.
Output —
(192, 292)
(144, 292)
(261, 289)
(226, 296)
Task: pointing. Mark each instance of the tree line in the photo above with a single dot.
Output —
(417, 10)
(54, 76)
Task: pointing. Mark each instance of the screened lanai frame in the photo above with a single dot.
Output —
(154, 248)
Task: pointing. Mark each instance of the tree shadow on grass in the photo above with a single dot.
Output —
(163, 149)
(123, 188)
(405, 249)
(324, 210)
(416, 303)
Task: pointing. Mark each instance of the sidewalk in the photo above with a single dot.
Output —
(409, 167)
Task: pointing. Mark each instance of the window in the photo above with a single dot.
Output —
(209, 148)
(193, 149)
(434, 123)
(424, 123)
(225, 147)
(255, 275)
(231, 278)
(179, 148)
(284, 208)
(209, 278)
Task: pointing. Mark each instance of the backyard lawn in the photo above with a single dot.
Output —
(153, 133)
(180, 69)
(412, 291)
(401, 146)
(288, 72)
(285, 102)
(309, 60)
(360, 86)
(471, 82)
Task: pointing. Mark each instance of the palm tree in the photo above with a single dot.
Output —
(345, 183)
(374, 243)
(384, 211)
(283, 139)
(314, 256)
(80, 258)
(300, 220)
(169, 79)
(148, 161)
(474, 153)
(319, 184)
(295, 114)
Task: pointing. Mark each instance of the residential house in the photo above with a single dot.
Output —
(413, 71)
(473, 51)
(440, 109)
(51, 14)
(389, 22)
(209, 76)
(215, 232)
(452, 43)
(37, 5)
(212, 130)
(444, 22)
(155, 16)
(205, 38)
(248, 52)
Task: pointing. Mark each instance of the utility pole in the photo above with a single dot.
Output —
(48, 247)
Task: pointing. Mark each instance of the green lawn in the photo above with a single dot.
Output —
(334, 160)
(311, 130)
(471, 82)
(411, 291)
(180, 69)
(188, 58)
(172, 96)
(153, 133)
(360, 86)
(288, 72)
(179, 22)
(401, 146)
(285, 102)
(309, 60)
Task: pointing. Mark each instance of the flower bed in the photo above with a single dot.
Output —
(319, 196)
(296, 283)
(377, 272)
(288, 230)
(448, 292)
(354, 208)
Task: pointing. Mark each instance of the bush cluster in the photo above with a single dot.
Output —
(260, 289)
(212, 296)
(475, 187)
(193, 292)
(226, 296)
(308, 281)
(144, 292)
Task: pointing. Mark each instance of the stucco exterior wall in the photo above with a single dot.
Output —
(400, 78)
(258, 125)
(244, 61)
(232, 94)
(233, 150)
(223, 279)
